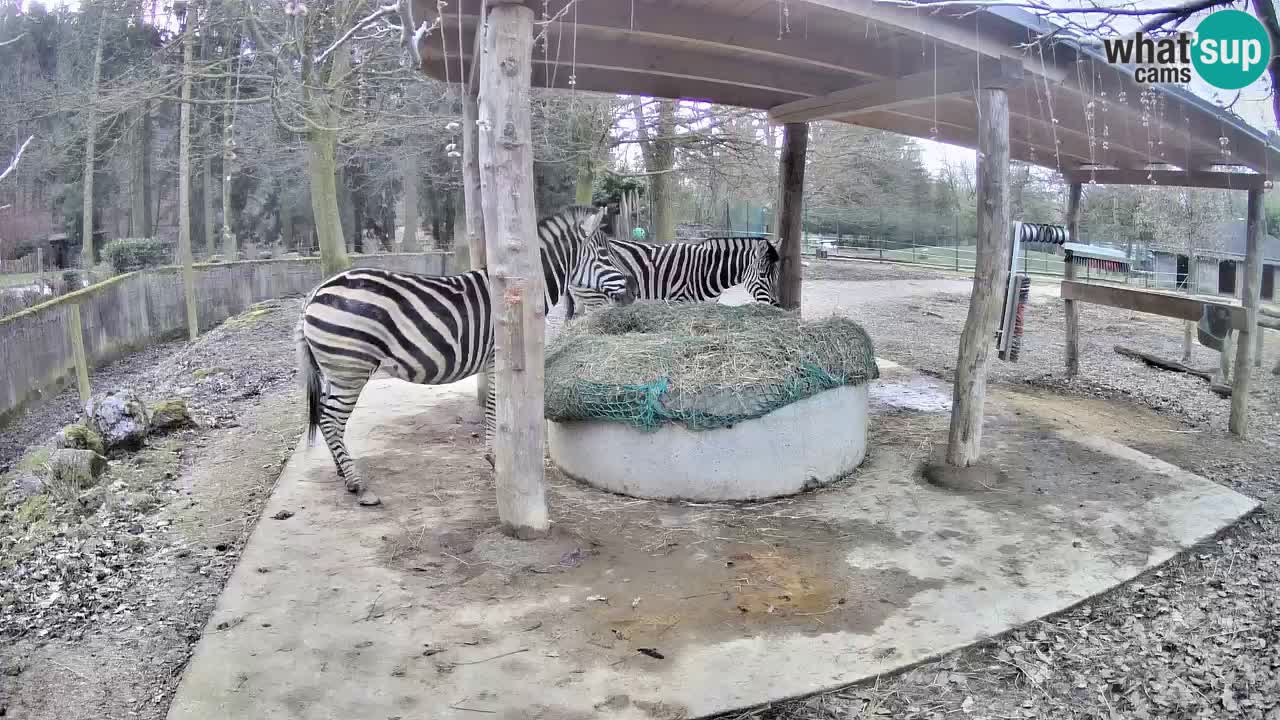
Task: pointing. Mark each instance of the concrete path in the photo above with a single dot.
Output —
(639, 609)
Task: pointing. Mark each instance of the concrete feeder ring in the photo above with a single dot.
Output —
(800, 446)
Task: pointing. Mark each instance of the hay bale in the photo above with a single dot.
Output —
(704, 365)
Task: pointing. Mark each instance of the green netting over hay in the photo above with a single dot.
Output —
(705, 365)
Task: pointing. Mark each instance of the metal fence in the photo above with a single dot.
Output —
(1142, 271)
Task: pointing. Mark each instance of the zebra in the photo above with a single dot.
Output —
(691, 272)
(425, 329)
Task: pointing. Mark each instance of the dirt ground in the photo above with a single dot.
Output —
(133, 585)
(101, 606)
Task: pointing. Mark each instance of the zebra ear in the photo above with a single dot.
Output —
(592, 222)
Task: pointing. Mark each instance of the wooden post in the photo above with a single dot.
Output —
(474, 213)
(515, 268)
(1249, 297)
(75, 333)
(1258, 347)
(795, 143)
(1069, 273)
(964, 439)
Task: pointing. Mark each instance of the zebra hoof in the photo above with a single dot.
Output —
(368, 499)
(353, 485)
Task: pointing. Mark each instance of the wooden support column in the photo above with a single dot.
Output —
(515, 268)
(473, 212)
(795, 143)
(991, 270)
(1069, 273)
(1250, 298)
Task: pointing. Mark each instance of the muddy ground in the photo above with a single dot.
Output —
(133, 585)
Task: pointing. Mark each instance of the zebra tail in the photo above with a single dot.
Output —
(309, 374)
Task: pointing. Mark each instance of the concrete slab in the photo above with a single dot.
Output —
(644, 609)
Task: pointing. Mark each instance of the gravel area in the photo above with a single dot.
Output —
(1197, 638)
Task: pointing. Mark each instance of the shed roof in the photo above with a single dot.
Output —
(876, 65)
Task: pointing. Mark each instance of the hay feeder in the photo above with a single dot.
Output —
(708, 402)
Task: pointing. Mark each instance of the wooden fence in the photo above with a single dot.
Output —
(44, 347)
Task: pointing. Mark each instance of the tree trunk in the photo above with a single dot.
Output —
(140, 175)
(795, 143)
(206, 156)
(515, 270)
(964, 440)
(322, 172)
(87, 255)
(659, 151)
(356, 183)
(409, 175)
(184, 192)
(228, 167)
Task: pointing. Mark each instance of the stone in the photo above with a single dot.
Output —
(24, 485)
(120, 418)
(92, 499)
(79, 436)
(170, 414)
(71, 471)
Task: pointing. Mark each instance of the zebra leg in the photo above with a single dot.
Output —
(490, 415)
(335, 409)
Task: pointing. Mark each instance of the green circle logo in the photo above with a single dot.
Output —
(1231, 50)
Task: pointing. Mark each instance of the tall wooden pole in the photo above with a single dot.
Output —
(1249, 297)
(515, 268)
(795, 143)
(1069, 273)
(473, 212)
(991, 270)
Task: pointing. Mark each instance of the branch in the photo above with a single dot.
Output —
(1267, 13)
(13, 40)
(14, 165)
(371, 18)
(1180, 14)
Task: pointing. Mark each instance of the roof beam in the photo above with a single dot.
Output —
(940, 29)
(891, 93)
(1169, 178)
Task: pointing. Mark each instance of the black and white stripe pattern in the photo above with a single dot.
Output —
(427, 329)
(690, 272)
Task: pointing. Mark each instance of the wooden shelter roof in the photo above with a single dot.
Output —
(881, 66)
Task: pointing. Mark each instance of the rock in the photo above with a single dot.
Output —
(71, 471)
(79, 436)
(26, 484)
(92, 499)
(170, 414)
(120, 418)
(141, 501)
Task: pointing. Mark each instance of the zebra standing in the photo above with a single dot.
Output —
(429, 330)
(691, 272)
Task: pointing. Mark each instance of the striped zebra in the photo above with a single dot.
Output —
(425, 329)
(690, 272)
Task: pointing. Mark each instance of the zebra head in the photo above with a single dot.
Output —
(762, 273)
(594, 268)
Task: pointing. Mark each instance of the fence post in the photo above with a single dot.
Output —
(76, 335)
